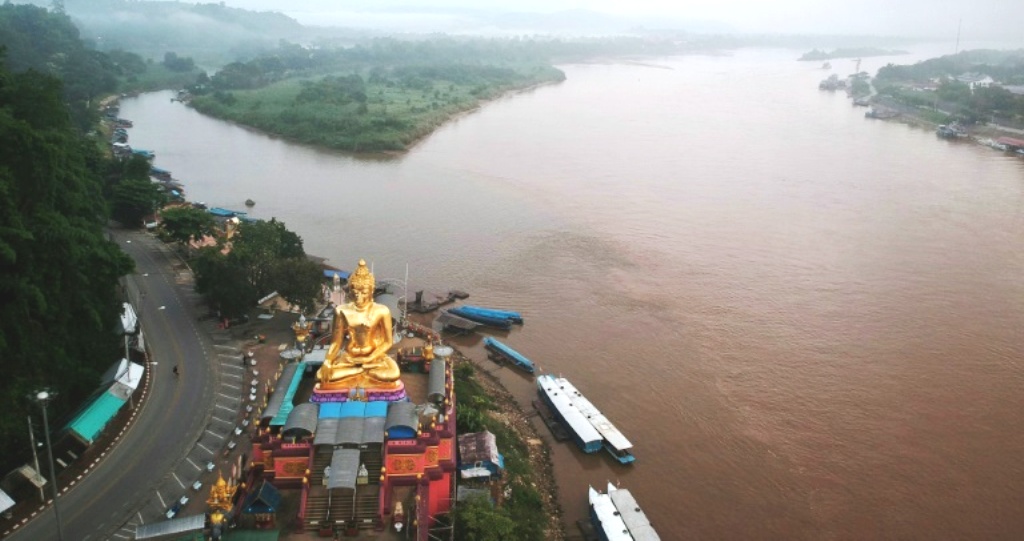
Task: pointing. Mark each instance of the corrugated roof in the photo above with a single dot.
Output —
(194, 523)
(326, 431)
(402, 420)
(295, 377)
(478, 447)
(280, 390)
(373, 430)
(344, 469)
(95, 417)
(436, 384)
(350, 431)
(302, 418)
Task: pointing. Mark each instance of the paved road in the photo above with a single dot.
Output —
(130, 482)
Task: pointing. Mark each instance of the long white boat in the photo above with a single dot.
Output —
(583, 433)
(605, 518)
(634, 518)
(610, 437)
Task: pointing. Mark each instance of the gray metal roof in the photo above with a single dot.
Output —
(402, 414)
(635, 519)
(326, 431)
(344, 469)
(194, 523)
(302, 419)
(280, 390)
(435, 387)
(373, 430)
(350, 431)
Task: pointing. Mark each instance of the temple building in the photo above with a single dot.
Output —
(364, 445)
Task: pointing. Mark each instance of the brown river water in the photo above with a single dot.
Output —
(808, 322)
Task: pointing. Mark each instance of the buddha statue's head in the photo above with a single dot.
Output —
(361, 285)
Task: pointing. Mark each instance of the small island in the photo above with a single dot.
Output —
(857, 52)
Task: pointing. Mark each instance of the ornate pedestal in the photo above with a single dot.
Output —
(392, 393)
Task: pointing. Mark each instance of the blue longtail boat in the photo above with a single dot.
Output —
(514, 317)
(498, 322)
(509, 354)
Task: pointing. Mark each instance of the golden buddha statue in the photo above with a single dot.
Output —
(358, 356)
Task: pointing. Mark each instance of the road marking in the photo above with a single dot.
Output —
(234, 376)
(229, 397)
(236, 387)
(178, 480)
(140, 517)
(225, 408)
(215, 418)
(229, 348)
(208, 431)
(205, 449)
(121, 536)
(162, 502)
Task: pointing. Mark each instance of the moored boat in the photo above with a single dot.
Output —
(606, 518)
(509, 354)
(514, 317)
(583, 433)
(612, 439)
(493, 321)
(634, 518)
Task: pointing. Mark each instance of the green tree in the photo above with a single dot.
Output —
(263, 257)
(135, 199)
(476, 519)
(58, 273)
(185, 224)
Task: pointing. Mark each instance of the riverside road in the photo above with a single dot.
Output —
(127, 487)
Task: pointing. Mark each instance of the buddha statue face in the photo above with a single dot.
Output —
(361, 286)
(362, 295)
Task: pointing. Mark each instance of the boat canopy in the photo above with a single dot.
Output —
(606, 517)
(608, 431)
(634, 518)
(565, 409)
(278, 398)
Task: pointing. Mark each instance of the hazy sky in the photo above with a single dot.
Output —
(981, 19)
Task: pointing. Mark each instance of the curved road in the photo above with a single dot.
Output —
(171, 420)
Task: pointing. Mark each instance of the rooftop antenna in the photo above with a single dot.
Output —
(958, 25)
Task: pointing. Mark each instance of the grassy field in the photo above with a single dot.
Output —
(358, 113)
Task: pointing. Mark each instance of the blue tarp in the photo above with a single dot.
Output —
(90, 422)
(330, 410)
(329, 273)
(352, 409)
(376, 409)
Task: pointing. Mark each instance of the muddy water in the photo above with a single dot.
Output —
(809, 323)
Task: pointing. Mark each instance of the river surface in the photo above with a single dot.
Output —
(809, 323)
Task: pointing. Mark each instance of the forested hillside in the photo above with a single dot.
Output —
(58, 273)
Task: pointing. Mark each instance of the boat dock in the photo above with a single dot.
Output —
(428, 301)
(455, 324)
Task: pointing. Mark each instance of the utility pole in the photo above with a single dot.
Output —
(35, 457)
(43, 397)
(958, 25)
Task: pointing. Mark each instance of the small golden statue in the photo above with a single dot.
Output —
(358, 356)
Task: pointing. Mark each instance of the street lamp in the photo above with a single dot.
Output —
(44, 397)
